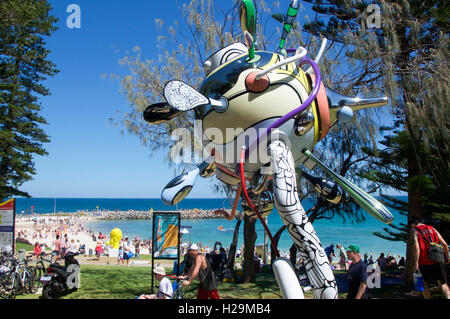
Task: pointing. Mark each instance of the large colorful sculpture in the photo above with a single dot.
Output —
(277, 113)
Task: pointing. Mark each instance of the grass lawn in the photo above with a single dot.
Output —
(122, 282)
(27, 247)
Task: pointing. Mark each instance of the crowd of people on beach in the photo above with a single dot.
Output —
(386, 262)
(44, 231)
(63, 234)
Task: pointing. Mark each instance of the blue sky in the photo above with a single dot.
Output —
(88, 156)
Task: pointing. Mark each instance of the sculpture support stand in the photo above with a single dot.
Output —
(318, 268)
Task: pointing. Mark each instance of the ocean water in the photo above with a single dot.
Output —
(206, 230)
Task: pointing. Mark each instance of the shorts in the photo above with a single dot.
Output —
(125, 256)
(207, 294)
(433, 273)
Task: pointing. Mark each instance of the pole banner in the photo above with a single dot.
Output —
(166, 231)
(7, 223)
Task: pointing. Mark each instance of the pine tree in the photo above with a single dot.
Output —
(389, 167)
(408, 54)
(23, 66)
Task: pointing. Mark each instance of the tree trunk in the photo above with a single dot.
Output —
(414, 210)
(410, 264)
(249, 250)
(293, 255)
(233, 246)
(276, 238)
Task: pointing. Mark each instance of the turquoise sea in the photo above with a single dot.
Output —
(206, 230)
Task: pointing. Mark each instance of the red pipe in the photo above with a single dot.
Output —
(274, 246)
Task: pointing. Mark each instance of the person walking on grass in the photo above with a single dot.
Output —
(342, 257)
(202, 270)
(356, 275)
(56, 248)
(126, 251)
(120, 254)
(432, 272)
(329, 251)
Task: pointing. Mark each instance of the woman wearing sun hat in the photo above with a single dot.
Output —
(356, 275)
(165, 290)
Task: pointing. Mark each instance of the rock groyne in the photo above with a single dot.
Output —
(133, 214)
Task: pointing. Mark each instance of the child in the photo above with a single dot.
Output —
(120, 255)
(98, 250)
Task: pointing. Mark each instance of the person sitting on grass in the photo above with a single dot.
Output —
(165, 290)
(37, 249)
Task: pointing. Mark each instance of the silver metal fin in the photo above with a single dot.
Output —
(336, 101)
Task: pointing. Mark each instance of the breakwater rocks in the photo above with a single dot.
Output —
(133, 214)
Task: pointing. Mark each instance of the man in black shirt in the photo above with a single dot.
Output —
(356, 275)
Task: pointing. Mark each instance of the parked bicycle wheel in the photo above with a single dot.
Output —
(5, 291)
(16, 285)
(37, 274)
(30, 282)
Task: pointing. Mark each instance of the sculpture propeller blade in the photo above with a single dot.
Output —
(179, 187)
(182, 96)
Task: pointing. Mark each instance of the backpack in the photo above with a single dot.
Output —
(209, 258)
(435, 250)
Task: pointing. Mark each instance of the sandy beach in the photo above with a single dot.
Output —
(43, 229)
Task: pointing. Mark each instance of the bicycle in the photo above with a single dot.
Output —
(18, 278)
(41, 269)
(5, 275)
(23, 279)
(177, 287)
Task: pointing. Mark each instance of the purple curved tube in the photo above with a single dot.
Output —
(296, 111)
(307, 102)
(291, 50)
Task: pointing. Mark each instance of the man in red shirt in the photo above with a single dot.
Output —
(431, 271)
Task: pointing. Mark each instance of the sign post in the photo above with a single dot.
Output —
(7, 223)
(165, 237)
